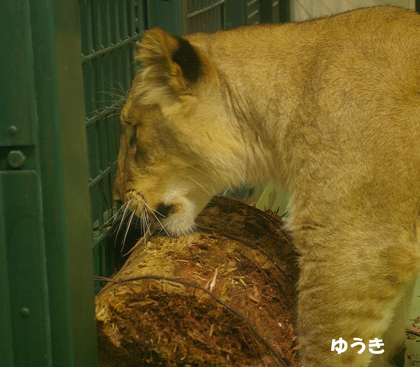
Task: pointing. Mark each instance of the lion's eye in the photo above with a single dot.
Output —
(133, 138)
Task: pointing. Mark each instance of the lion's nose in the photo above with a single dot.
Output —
(116, 192)
(118, 202)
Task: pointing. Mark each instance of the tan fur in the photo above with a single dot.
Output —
(330, 108)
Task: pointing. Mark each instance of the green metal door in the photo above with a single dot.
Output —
(46, 290)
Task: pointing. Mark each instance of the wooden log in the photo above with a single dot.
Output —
(221, 296)
(413, 330)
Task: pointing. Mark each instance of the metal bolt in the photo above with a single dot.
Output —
(12, 130)
(24, 312)
(16, 159)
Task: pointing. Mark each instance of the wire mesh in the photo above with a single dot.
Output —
(205, 15)
(253, 12)
(109, 31)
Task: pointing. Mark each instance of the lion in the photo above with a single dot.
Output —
(329, 108)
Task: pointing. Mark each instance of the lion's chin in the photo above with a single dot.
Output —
(181, 219)
(182, 215)
(179, 223)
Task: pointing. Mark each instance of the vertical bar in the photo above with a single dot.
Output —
(6, 331)
(266, 11)
(125, 16)
(106, 22)
(253, 12)
(16, 70)
(207, 24)
(224, 16)
(132, 15)
(284, 11)
(96, 22)
(25, 338)
(128, 59)
(170, 15)
(143, 15)
(197, 19)
(64, 173)
(203, 16)
(22, 205)
(235, 13)
(117, 25)
(276, 11)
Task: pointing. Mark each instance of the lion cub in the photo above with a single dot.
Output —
(331, 109)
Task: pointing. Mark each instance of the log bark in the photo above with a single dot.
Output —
(221, 296)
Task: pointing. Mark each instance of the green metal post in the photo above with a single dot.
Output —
(170, 15)
(235, 13)
(63, 153)
(266, 11)
(284, 11)
(47, 298)
(25, 339)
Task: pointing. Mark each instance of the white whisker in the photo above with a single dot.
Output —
(111, 220)
(152, 210)
(144, 220)
(200, 185)
(122, 89)
(202, 172)
(153, 213)
(127, 229)
(124, 214)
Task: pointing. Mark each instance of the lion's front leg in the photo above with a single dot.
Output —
(394, 337)
(351, 288)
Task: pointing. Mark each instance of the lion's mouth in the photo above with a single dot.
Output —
(175, 218)
(165, 210)
(137, 204)
(151, 214)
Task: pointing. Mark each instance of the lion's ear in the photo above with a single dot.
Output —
(169, 61)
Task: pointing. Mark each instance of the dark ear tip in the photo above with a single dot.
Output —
(187, 58)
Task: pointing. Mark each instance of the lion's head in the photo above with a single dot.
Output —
(178, 145)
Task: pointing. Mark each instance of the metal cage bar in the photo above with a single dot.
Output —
(253, 12)
(205, 16)
(110, 29)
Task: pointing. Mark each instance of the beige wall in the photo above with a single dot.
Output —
(307, 9)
